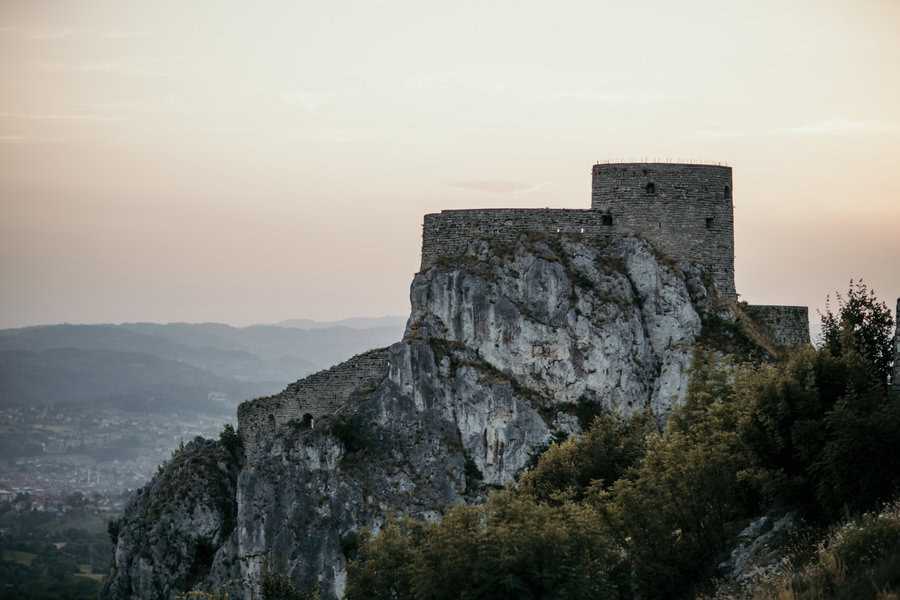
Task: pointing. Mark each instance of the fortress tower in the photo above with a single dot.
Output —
(684, 210)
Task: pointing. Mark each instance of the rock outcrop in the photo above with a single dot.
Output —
(506, 348)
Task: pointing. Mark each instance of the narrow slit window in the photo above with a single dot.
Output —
(650, 188)
(727, 192)
(607, 220)
(709, 222)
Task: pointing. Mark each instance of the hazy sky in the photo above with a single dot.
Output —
(255, 161)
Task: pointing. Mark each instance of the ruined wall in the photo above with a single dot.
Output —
(317, 395)
(685, 210)
(784, 325)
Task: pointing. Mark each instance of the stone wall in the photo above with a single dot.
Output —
(311, 398)
(783, 325)
(688, 217)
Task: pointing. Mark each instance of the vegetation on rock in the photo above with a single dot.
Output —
(627, 511)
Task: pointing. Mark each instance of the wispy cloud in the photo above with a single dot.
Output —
(25, 139)
(841, 127)
(832, 127)
(58, 117)
(497, 186)
(124, 35)
(308, 100)
(50, 35)
(104, 66)
(614, 96)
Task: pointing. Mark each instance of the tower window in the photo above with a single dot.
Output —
(307, 421)
(727, 192)
(709, 222)
(606, 220)
(650, 188)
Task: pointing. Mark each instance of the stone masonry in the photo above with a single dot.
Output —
(784, 325)
(311, 398)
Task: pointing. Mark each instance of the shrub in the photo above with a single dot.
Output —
(611, 446)
(232, 442)
(351, 432)
(511, 547)
(858, 560)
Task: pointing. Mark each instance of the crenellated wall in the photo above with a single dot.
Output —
(687, 214)
(311, 398)
(783, 325)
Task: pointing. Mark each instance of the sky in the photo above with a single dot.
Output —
(250, 162)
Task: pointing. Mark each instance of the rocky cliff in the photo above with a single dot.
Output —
(506, 348)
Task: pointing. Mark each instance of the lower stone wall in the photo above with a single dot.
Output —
(311, 398)
(783, 325)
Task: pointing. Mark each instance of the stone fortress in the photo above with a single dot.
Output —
(685, 210)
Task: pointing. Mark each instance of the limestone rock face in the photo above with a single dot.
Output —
(505, 348)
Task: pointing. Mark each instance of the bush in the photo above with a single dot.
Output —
(511, 547)
(858, 560)
(675, 512)
(351, 432)
(612, 445)
(232, 442)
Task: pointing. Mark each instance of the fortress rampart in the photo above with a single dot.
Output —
(311, 398)
(684, 210)
(784, 325)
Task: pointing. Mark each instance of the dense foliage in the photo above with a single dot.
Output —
(626, 511)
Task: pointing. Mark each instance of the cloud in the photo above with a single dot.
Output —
(50, 35)
(58, 117)
(24, 139)
(614, 97)
(497, 186)
(842, 127)
(834, 127)
(124, 35)
(308, 100)
(108, 66)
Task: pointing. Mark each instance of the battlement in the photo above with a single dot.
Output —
(320, 394)
(785, 326)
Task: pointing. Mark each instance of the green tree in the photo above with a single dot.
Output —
(863, 324)
(511, 547)
(612, 445)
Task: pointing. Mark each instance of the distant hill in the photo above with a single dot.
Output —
(153, 363)
(123, 380)
(396, 321)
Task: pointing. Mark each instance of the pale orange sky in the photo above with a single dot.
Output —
(249, 162)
